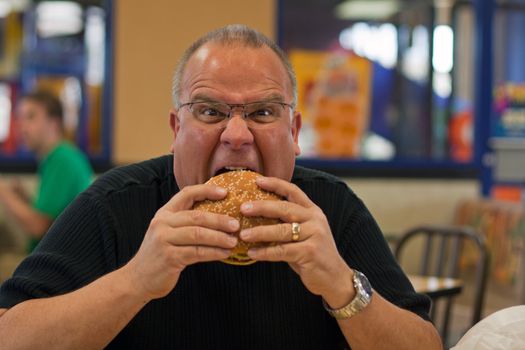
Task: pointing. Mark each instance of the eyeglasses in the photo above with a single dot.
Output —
(255, 113)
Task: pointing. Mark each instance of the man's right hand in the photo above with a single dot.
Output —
(179, 236)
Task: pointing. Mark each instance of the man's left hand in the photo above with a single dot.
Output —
(311, 253)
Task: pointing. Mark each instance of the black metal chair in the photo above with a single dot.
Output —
(440, 257)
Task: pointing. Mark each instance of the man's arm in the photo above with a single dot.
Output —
(90, 317)
(381, 325)
(31, 220)
(315, 258)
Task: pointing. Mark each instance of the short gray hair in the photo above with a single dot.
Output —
(231, 35)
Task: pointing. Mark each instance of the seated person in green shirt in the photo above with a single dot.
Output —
(63, 170)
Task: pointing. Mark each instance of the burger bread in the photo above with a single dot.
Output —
(241, 188)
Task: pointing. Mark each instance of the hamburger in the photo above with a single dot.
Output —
(241, 188)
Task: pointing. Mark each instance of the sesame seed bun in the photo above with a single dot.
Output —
(241, 188)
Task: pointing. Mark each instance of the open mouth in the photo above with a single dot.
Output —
(230, 168)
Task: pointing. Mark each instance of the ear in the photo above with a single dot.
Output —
(56, 126)
(174, 122)
(175, 126)
(297, 122)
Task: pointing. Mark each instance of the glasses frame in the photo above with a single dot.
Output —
(233, 106)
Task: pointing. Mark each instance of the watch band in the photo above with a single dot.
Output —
(363, 296)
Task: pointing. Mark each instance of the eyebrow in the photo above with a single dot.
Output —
(203, 97)
(272, 97)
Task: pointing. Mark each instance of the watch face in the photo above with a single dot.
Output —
(362, 298)
(367, 287)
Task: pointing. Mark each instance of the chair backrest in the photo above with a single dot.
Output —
(503, 227)
(441, 257)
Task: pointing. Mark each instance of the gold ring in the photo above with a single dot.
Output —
(296, 229)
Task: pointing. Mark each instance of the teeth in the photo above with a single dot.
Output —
(235, 168)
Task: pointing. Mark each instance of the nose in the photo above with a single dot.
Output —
(236, 134)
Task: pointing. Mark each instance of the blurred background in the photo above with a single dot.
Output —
(418, 104)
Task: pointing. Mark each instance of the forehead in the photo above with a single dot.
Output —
(235, 68)
(35, 110)
(30, 105)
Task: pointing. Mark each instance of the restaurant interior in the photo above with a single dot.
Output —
(419, 105)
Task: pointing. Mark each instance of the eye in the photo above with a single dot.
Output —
(210, 112)
(263, 112)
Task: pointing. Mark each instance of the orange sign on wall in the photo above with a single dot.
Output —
(334, 98)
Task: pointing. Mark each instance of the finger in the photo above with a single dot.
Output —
(272, 233)
(213, 221)
(280, 252)
(284, 189)
(194, 254)
(189, 195)
(283, 210)
(200, 236)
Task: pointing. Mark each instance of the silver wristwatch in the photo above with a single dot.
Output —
(363, 296)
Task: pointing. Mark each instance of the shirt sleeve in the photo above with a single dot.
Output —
(78, 249)
(364, 248)
(58, 187)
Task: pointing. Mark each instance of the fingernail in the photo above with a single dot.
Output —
(232, 240)
(247, 206)
(252, 253)
(234, 224)
(260, 180)
(246, 234)
(221, 190)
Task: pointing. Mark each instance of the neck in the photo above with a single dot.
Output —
(50, 143)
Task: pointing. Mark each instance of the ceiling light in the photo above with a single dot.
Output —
(5, 8)
(359, 9)
(55, 18)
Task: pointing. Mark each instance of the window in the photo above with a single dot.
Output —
(383, 89)
(63, 46)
